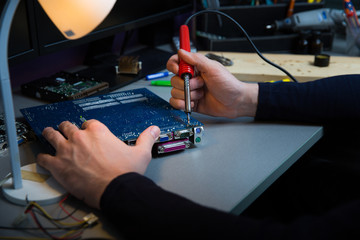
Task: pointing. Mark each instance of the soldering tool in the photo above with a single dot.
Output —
(186, 71)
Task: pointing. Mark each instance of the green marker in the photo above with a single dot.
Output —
(166, 83)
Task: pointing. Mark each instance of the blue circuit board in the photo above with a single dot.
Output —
(125, 113)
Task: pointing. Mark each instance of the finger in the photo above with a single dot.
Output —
(173, 64)
(177, 93)
(195, 82)
(194, 94)
(67, 128)
(197, 60)
(177, 82)
(201, 63)
(180, 104)
(88, 123)
(148, 137)
(177, 103)
(55, 138)
(47, 161)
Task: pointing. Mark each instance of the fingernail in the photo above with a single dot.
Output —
(155, 131)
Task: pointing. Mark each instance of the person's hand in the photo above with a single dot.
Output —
(214, 90)
(88, 159)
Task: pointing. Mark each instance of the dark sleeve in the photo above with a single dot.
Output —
(142, 210)
(322, 101)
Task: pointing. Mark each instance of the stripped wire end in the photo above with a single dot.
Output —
(91, 219)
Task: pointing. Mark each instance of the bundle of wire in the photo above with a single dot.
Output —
(61, 230)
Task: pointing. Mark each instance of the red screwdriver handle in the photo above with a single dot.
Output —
(185, 68)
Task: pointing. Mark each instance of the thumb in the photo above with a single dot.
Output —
(188, 57)
(195, 59)
(148, 137)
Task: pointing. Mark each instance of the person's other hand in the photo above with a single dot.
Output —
(88, 159)
(214, 90)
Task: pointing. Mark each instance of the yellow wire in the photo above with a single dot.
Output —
(55, 220)
(69, 233)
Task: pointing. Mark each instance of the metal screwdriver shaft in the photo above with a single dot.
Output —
(186, 71)
(187, 96)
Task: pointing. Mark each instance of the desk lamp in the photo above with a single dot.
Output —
(75, 19)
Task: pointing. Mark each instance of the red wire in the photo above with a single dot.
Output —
(40, 226)
(75, 236)
(63, 208)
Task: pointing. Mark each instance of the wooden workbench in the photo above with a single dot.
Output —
(250, 67)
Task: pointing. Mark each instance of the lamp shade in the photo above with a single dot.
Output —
(76, 18)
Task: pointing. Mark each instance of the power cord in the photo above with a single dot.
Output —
(247, 37)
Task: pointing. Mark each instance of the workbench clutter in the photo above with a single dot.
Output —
(352, 29)
(250, 67)
(262, 23)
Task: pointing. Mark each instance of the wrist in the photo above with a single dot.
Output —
(93, 197)
(248, 100)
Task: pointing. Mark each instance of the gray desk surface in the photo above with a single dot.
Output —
(236, 162)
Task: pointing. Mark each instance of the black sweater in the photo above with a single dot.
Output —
(141, 209)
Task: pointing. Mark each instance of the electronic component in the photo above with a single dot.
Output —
(91, 219)
(127, 114)
(185, 133)
(63, 86)
(172, 146)
(196, 138)
(164, 137)
(129, 65)
(22, 130)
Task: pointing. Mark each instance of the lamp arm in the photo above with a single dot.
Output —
(6, 92)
